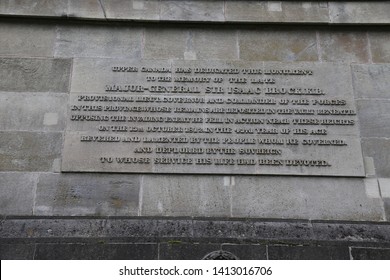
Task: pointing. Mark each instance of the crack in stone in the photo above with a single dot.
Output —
(104, 11)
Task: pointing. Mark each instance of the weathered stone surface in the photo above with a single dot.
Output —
(52, 228)
(27, 40)
(353, 233)
(88, 9)
(286, 11)
(17, 193)
(185, 196)
(98, 41)
(370, 254)
(202, 10)
(278, 45)
(34, 75)
(343, 46)
(374, 117)
(85, 194)
(29, 151)
(131, 10)
(17, 251)
(305, 198)
(308, 253)
(380, 45)
(379, 150)
(251, 230)
(246, 252)
(37, 112)
(371, 81)
(96, 252)
(35, 7)
(165, 43)
(208, 44)
(371, 12)
(186, 251)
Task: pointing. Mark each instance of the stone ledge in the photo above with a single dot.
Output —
(205, 11)
(16, 230)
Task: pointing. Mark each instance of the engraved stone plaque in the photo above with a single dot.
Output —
(212, 117)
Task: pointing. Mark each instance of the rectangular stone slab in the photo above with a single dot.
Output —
(212, 117)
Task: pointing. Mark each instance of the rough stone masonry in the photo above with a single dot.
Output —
(179, 128)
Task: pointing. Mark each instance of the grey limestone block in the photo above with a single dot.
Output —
(17, 193)
(21, 39)
(190, 44)
(208, 44)
(380, 45)
(34, 74)
(165, 195)
(77, 251)
(202, 10)
(276, 11)
(33, 111)
(42, 8)
(86, 194)
(278, 45)
(165, 43)
(304, 198)
(374, 117)
(132, 9)
(371, 80)
(29, 151)
(379, 150)
(17, 251)
(246, 252)
(98, 41)
(186, 251)
(359, 12)
(308, 252)
(86, 9)
(53, 8)
(370, 253)
(343, 46)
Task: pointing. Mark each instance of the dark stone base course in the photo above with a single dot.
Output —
(149, 238)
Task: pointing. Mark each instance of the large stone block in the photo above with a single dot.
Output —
(88, 9)
(74, 251)
(370, 253)
(305, 198)
(132, 9)
(246, 252)
(165, 43)
(185, 196)
(17, 193)
(278, 11)
(374, 117)
(380, 45)
(186, 251)
(202, 10)
(358, 12)
(29, 151)
(17, 251)
(343, 46)
(278, 45)
(98, 41)
(379, 150)
(308, 253)
(86, 194)
(33, 111)
(34, 75)
(35, 7)
(18, 39)
(371, 81)
(208, 44)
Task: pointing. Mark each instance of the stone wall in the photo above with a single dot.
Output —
(41, 39)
